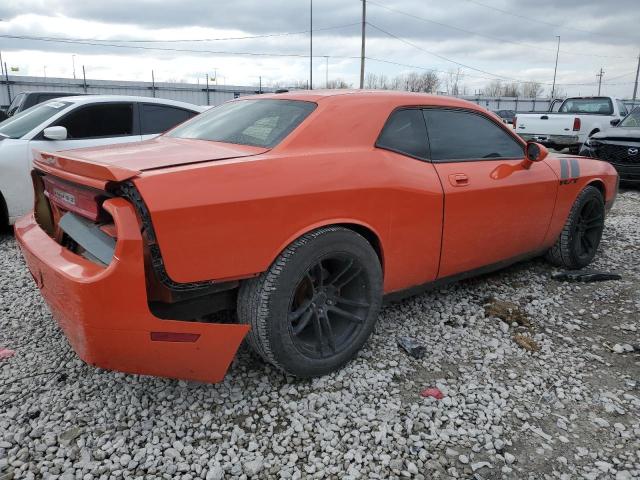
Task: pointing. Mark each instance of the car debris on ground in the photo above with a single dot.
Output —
(412, 346)
(585, 276)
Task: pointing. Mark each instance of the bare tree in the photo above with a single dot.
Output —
(493, 89)
(532, 89)
(452, 82)
(420, 82)
(376, 81)
(511, 89)
(338, 83)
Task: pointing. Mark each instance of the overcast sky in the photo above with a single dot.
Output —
(486, 39)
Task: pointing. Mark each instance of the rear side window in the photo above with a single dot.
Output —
(457, 135)
(406, 133)
(258, 123)
(101, 120)
(597, 105)
(160, 118)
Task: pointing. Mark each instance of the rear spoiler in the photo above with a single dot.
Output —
(74, 169)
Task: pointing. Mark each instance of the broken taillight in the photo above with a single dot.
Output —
(74, 198)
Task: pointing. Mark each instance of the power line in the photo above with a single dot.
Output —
(497, 76)
(564, 27)
(419, 67)
(164, 49)
(491, 37)
(442, 57)
(186, 40)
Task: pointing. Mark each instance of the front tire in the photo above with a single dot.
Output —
(317, 304)
(580, 237)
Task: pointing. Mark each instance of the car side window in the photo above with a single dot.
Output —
(459, 135)
(15, 104)
(405, 132)
(623, 108)
(100, 120)
(160, 118)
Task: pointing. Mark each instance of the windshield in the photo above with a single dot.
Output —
(632, 120)
(601, 105)
(259, 123)
(25, 121)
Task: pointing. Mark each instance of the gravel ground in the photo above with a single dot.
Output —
(571, 409)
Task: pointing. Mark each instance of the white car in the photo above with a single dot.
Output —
(75, 122)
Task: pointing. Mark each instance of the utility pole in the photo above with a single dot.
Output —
(635, 86)
(310, 44)
(555, 70)
(326, 72)
(84, 79)
(599, 75)
(364, 23)
(206, 75)
(6, 76)
(73, 62)
(153, 84)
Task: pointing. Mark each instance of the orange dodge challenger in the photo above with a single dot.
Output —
(301, 212)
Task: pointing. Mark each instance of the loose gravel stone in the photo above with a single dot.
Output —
(569, 410)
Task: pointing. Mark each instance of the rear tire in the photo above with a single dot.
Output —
(317, 304)
(580, 237)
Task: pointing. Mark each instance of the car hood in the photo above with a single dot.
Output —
(619, 134)
(119, 162)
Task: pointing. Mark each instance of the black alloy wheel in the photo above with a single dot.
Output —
(329, 306)
(588, 229)
(579, 240)
(316, 306)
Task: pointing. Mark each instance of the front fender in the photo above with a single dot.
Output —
(574, 174)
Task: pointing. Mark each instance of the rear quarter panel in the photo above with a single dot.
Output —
(231, 219)
(574, 174)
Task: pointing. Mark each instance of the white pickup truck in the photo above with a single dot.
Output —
(576, 120)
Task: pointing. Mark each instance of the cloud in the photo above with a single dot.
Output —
(520, 44)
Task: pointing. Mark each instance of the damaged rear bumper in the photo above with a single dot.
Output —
(104, 313)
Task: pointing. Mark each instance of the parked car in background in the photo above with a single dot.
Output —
(25, 100)
(620, 146)
(577, 119)
(299, 211)
(74, 122)
(507, 116)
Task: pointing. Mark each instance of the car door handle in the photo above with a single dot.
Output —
(459, 179)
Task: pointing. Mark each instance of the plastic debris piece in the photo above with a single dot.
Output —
(585, 276)
(432, 392)
(412, 347)
(6, 353)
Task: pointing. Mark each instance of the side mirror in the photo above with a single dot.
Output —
(615, 122)
(536, 152)
(55, 133)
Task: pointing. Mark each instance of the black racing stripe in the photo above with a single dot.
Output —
(575, 168)
(564, 169)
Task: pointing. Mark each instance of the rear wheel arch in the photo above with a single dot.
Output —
(364, 230)
(594, 131)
